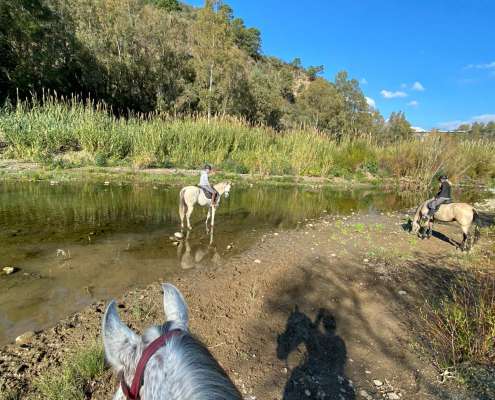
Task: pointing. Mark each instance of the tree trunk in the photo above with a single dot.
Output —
(210, 89)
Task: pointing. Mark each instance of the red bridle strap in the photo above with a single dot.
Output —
(132, 393)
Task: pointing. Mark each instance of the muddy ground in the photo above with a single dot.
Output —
(318, 312)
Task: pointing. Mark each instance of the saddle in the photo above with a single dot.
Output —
(444, 203)
(206, 192)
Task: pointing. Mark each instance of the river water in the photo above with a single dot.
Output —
(77, 243)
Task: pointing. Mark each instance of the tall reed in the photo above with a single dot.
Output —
(84, 132)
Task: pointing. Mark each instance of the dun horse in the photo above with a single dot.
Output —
(464, 214)
(167, 362)
(192, 195)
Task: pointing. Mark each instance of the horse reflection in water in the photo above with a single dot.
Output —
(197, 255)
(321, 374)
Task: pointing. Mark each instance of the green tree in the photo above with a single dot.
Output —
(321, 107)
(314, 71)
(397, 127)
(247, 39)
(357, 119)
(169, 5)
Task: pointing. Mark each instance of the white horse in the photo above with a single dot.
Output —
(191, 195)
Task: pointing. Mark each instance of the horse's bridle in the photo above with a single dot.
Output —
(132, 393)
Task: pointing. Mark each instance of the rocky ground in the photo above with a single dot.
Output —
(325, 311)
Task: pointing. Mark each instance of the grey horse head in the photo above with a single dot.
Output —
(183, 369)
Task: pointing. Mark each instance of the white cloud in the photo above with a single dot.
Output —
(390, 95)
(490, 65)
(418, 129)
(450, 125)
(418, 87)
(483, 118)
(403, 85)
(363, 81)
(370, 102)
(413, 103)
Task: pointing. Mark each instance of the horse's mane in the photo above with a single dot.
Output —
(196, 373)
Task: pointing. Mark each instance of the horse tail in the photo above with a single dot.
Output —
(182, 204)
(477, 225)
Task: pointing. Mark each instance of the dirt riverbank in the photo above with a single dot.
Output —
(17, 170)
(325, 311)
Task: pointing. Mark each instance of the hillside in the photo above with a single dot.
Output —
(146, 56)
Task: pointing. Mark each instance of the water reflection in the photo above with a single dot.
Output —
(198, 254)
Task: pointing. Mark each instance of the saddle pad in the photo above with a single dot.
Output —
(206, 192)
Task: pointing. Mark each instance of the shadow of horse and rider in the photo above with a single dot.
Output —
(321, 373)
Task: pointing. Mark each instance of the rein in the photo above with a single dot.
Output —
(132, 393)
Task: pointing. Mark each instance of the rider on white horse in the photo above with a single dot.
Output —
(204, 183)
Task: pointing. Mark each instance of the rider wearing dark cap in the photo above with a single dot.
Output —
(443, 196)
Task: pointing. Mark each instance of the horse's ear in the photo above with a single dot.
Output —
(120, 343)
(175, 307)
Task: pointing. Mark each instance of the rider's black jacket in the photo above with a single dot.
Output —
(444, 190)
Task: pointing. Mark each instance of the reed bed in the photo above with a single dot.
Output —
(72, 132)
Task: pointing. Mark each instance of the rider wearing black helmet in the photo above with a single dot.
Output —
(443, 196)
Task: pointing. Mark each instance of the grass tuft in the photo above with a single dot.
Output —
(72, 379)
(459, 329)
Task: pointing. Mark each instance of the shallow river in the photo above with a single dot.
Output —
(75, 243)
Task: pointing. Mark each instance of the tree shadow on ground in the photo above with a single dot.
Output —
(321, 372)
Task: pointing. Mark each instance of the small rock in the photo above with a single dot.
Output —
(229, 247)
(368, 372)
(393, 396)
(106, 183)
(176, 243)
(275, 234)
(307, 392)
(333, 255)
(179, 235)
(8, 270)
(402, 292)
(61, 253)
(377, 383)
(284, 370)
(257, 261)
(366, 260)
(24, 338)
(364, 393)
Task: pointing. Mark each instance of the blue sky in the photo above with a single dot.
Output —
(434, 60)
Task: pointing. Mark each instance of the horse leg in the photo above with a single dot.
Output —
(188, 216)
(465, 238)
(207, 218)
(430, 228)
(213, 209)
(182, 211)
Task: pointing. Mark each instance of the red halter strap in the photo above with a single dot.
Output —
(132, 393)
